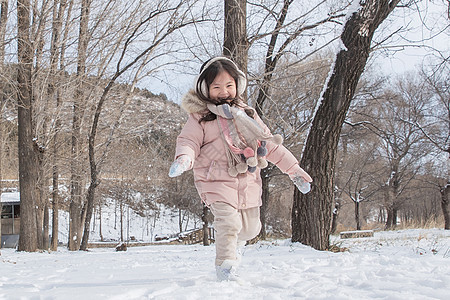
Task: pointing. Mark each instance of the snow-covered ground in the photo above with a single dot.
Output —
(407, 264)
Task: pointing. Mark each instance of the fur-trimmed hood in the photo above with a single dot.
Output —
(191, 103)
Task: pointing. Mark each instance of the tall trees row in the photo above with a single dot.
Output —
(72, 55)
(78, 51)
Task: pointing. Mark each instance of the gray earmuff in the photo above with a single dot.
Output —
(242, 80)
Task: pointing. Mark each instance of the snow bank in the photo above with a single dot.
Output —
(411, 264)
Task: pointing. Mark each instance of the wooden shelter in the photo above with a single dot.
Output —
(10, 218)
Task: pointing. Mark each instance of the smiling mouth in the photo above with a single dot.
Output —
(226, 100)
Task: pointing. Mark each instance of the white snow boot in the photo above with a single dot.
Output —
(227, 271)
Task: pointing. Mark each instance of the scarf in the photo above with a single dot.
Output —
(244, 139)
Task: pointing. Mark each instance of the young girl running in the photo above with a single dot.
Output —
(226, 144)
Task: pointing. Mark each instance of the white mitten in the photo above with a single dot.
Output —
(180, 165)
(302, 181)
(302, 185)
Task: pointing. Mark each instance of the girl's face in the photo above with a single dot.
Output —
(223, 87)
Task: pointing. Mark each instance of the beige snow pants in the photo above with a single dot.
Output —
(233, 226)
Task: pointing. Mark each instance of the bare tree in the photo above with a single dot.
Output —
(3, 22)
(26, 142)
(54, 93)
(356, 164)
(311, 213)
(284, 35)
(401, 148)
(358, 185)
(76, 198)
(40, 17)
(390, 115)
(288, 111)
(178, 16)
(436, 126)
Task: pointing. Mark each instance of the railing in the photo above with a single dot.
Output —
(195, 236)
(190, 237)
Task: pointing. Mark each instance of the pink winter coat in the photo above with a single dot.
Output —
(203, 144)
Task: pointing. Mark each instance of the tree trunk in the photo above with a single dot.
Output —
(390, 218)
(55, 200)
(40, 206)
(45, 229)
(180, 220)
(27, 152)
(3, 22)
(391, 195)
(357, 220)
(205, 225)
(265, 202)
(394, 216)
(444, 205)
(391, 208)
(121, 220)
(55, 181)
(42, 203)
(76, 201)
(100, 222)
(311, 213)
(1, 159)
(235, 44)
(76, 198)
(60, 74)
(334, 220)
(54, 92)
(75, 215)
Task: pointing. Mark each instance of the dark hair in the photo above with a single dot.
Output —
(208, 75)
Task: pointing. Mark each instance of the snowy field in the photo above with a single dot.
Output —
(407, 264)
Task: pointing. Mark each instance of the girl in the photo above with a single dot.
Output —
(226, 144)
